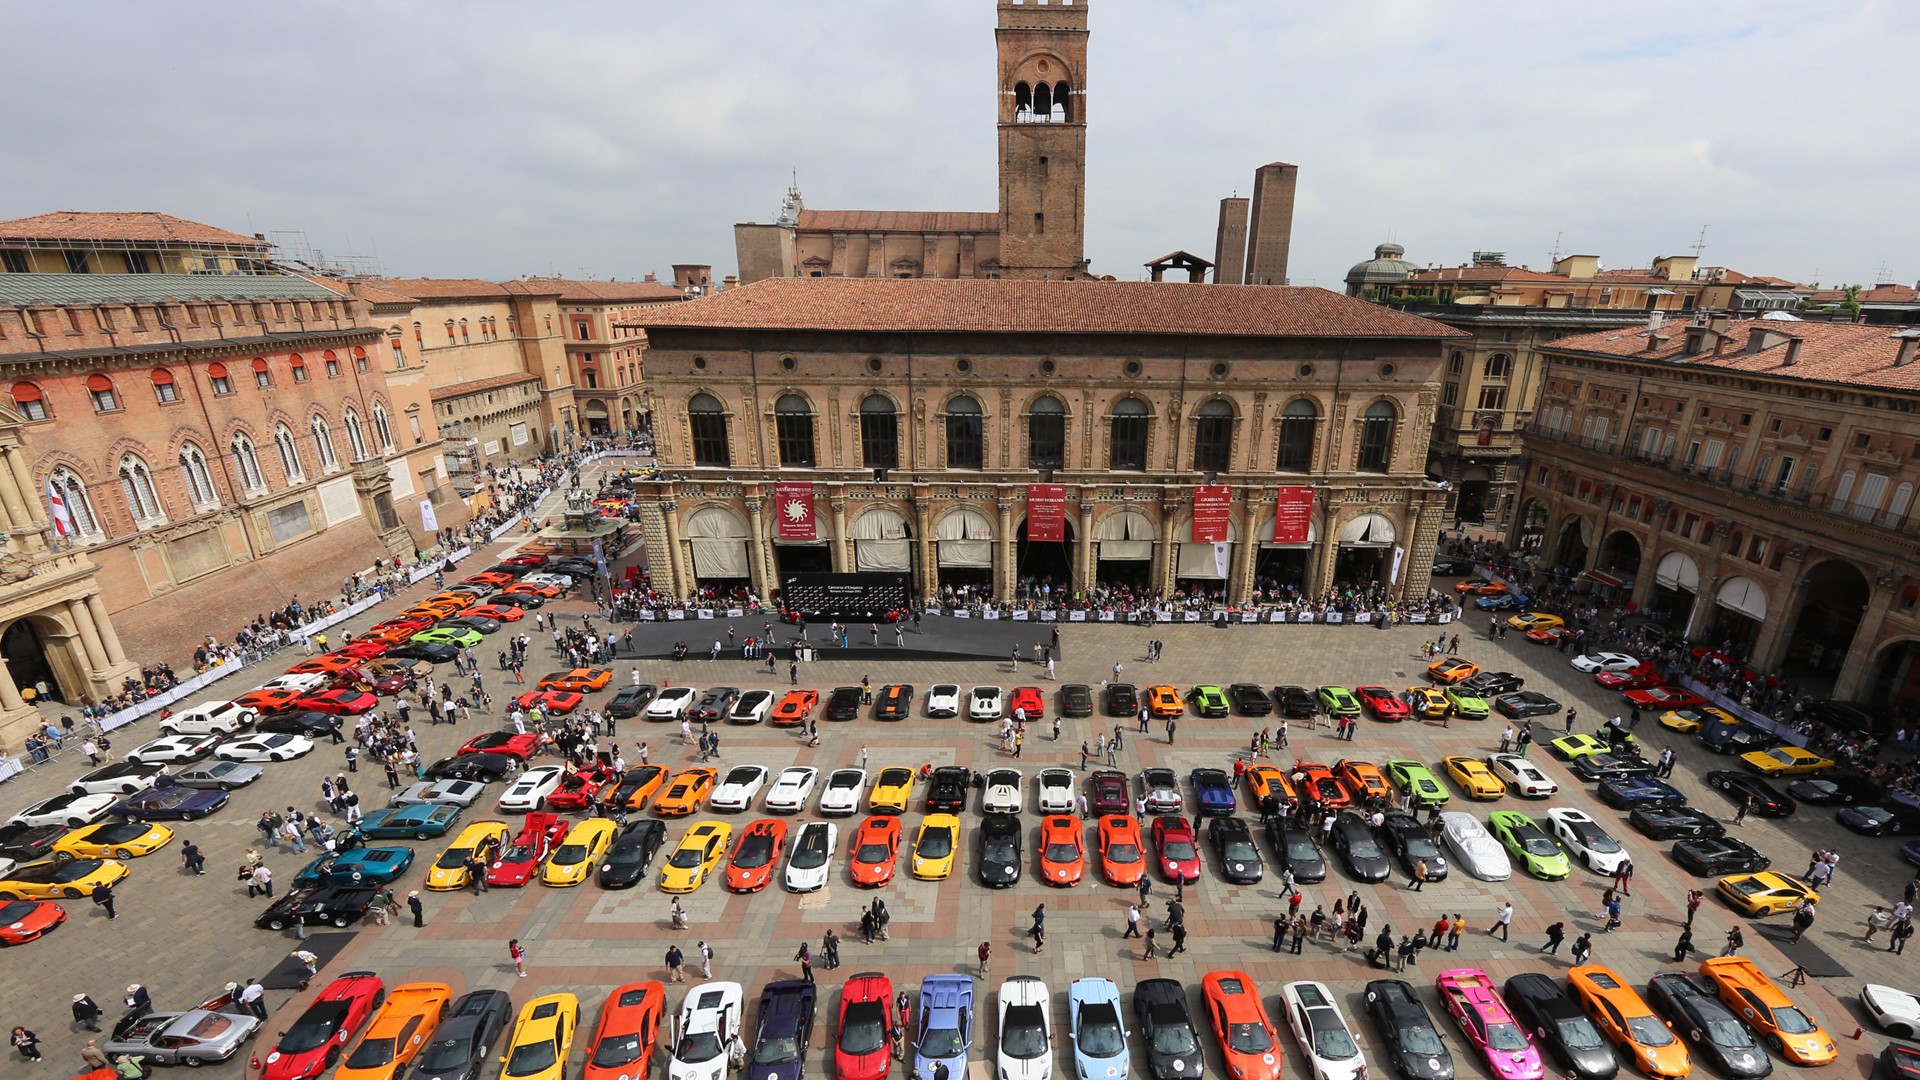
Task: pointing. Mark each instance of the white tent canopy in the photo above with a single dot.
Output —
(1745, 596)
(965, 538)
(1265, 533)
(719, 540)
(1206, 559)
(1677, 570)
(1126, 535)
(880, 540)
(1367, 530)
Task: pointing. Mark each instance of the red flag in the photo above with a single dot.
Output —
(1292, 515)
(793, 509)
(1211, 503)
(1047, 513)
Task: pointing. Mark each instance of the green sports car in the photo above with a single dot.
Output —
(1411, 776)
(1339, 701)
(1529, 845)
(1208, 701)
(1466, 705)
(1575, 747)
(463, 636)
(421, 822)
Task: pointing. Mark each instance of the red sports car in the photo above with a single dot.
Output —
(311, 1044)
(1319, 786)
(22, 921)
(550, 701)
(529, 559)
(492, 579)
(1643, 677)
(269, 701)
(1179, 854)
(751, 866)
(578, 790)
(342, 702)
(1029, 698)
(501, 742)
(362, 650)
(1063, 850)
(1663, 698)
(1382, 703)
(538, 837)
(795, 707)
(1122, 857)
(866, 1014)
(531, 588)
(498, 612)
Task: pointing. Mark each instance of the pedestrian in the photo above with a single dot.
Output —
(674, 965)
(1572, 715)
(706, 961)
(1170, 728)
(419, 910)
(1279, 931)
(1556, 934)
(1179, 940)
(1039, 935)
(1746, 807)
(1133, 922)
(1623, 877)
(830, 948)
(92, 1056)
(1902, 930)
(986, 955)
(1418, 884)
(1454, 931)
(1613, 915)
(192, 859)
(1083, 754)
(86, 1013)
(519, 957)
(1503, 920)
(1802, 920)
(866, 926)
(27, 1043)
(1735, 941)
(252, 997)
(103, 897)
(1582, 949)
(805, 959)
(1877, 922)
(1683, 946)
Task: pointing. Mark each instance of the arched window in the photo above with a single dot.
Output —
(1897, 509)
(356, 439)
(1213, 436)
(1842, 491)
(1061, 100)
(193, 468)
(463, 332)
(879, 433)
(297, 365)
(66, 493)
(289, 455)
(1456, 362)
(164, 391)
(1128, 434)
(966, 431)
(450, 338)
(708, 422)
(1047, 434)
(246, 464)
(1499, 366)
(1299, 426)
(793, 430)
(382, 430)
(1376, 437)
(323, 442)
(30, 401)
(100, 391)
(136, 483)
(262, 376)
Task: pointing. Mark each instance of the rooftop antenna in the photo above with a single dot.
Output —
(1881, 273)
(1553, 257)
(1700, 245)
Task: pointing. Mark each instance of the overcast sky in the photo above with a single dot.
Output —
(612, 139)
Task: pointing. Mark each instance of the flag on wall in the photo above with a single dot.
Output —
(62, 517)
(1046, 513)
(1292, 514)
(1211, 503)
(793, 510)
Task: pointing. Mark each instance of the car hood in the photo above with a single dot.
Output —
(808, 878)
(1040, 1068)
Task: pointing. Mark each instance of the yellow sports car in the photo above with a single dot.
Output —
(52, 879)
(1427, 701)
(1689, 720)
(542, 1037)
(1785, 761)
(1475, 779)
(687, 791)
(934, 845)
(575, 859)
(480, 842)
(891, 790)
(695, 857)
(1765, 893)
(1535, 620)
(112, 840)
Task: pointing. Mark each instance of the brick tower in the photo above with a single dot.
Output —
(1042, 48)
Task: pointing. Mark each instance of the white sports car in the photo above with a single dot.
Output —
(1522, 777)
(844, 790)
(943, 700)
(117, 778)
(672, 703)
(791, 789)
(1896, 1011)
(752, 708)
(1478, 852)
(215, 717)
(1056, 791)
(1595, 662)
(1026, 1030)
(1585, 840)
(737, 788)
(709, 1022)
(986, 703)
(304, 682)
(529, 792)
(1322, 1032)
(266, 748)
(811, 859)
(1003, 791)
(175, 749)
(68, 809)
(440, 793)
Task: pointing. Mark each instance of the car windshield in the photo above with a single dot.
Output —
(313, 1029)
(1578, 1033)
(942, 1042)
(1100, 1031)
(530, 1058)
(1506, 1037)
(371, 1054)
(1179, 849)
(1648, 1031)
(1023, 1033)
(1248, 1039)
(617, 1050)
(755, 850)
(1420, 1040)
(571, 854)
(774, 1050)
(872, 853)
(1728, 1032)
(1301, 849)
(812, 851)
(1360, 845)
(998, 849)
(698, 1046)
(453, 858)
(935, 843)
(1539, 846)
(1791, 1021)
(1241, 850)
(1123, 853)
(686, 858)
(518, 853)
(1173, 1039)
(1418, 844)
(626, 854)
(1062, 853)
(444, 1055)
(1600, 842)
(1333, 1043)
(863, 1028)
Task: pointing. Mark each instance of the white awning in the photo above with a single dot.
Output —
(1745, 596)
(1206, 559)
(1126, 535)
(1367, 530)
(880, 540)
(965, 539)
(1265, 533)
(1677, 571)
(719, 541)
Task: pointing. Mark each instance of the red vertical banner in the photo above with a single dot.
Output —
(1047, 513)
(793, 509)
(1211, 504)
(1292, 515)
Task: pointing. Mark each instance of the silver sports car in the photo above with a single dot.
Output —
(194, 1037)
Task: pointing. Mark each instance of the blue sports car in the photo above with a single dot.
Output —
(1214, 789)
(945, 1029)
(423, 821)
(1099, 1036)
(1630, 792)
(1503, 602)
(786, 1027)
(169, 804)
(360, 866)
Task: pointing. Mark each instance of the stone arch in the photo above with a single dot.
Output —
(1893, 680)
(882, 539)
(47, 462)
(1821, 633)
(1621, 552)
(43, 655)
(717, 539)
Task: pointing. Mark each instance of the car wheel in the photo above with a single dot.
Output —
(122, 854)
(192, 1062)
(224, 786)
(276, 924)
(71, 894)
(422, 835)
(340, 921)
(74, 822)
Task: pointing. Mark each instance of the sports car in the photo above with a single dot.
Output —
(1887, 819)
(117, 778)
(1405, 836)
(1474, 847)
(273, 699)
(1233, 847)
(28, 843)
(54, 879)
(579, 679)
(1662, 698)
(1098, 1036)
(1213, 791)
(1263, 781)
(344, 701)
(443, 792)
(672, 703)
(1249, 699)
(1354, 840)
(575, 851)
(1897, 1012)
(1534, 620)
(1595, 662)
(811, 859)
(1785, 761)
(685, 792)
(1628, 793)
(1295, 850)
(325, 664)
(1452, 670)
(1837, 787)
(170, 804)
(893, 702)
(636, 787)
(498, 612)
(398, 1033)
(1776, 1018)
(1426, 701)
(1709, 857)
(892, 790)
(1525, 703)
(551, 702)
(1001, 840)
(1174, 843)
(1688, 721)
(1166, 1028)
(1585, 840)
(1381, 704)
(1003, 791)
(22, 921)
(502, 742)
(531, 588)
(579, 790)
(737, 789)
(795, 706)
(1529, 845)
(1466, 704)
(1122, 699)
(1475, 780)
(1549, 635)
(1764, 799)
(359, 866)
(361, 651)
(1406, 1028)
(986, 703)
(1765, 892)
(1164, 702)
(1027, 701)
(193, 1037)
(218, 776)
(631, 853)
(1417, 780)
(1596, 767)
(843, 703)
(874, 852)
(1025, 1047)
(1540, 1004)
(258, 748)
(112, 840)
(934, 844)
(783, 1032)
(695, 857)
(629, 1032)
(1643, 677)
(1469, 997)
(842, 794)
(491, 579)
(1063, 850)
(1523, 777)
(480, 842)
(1477, 587)
(1161, 790)
(1320, 787)
(310, 1045)
(1056, 791)
(752, 707)
(539, 836)
(1209, 701)
(1363, 778)
(943, 701)
(422, 822)
(1122, 858)
(314, 725)
(1322, 1032)
(1674, 822)
(1295, 702)
(1489, 683)
(715, 704)
(1106, 792)
(175, 749)
(66, 809)
(530, 791)
(1693, 1009)
(424, 650)
(542, 1038)
(791, 789)
(1338, 701)
(630, 701)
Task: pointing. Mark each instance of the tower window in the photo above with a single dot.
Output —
(1039, 224)
(1043, 168)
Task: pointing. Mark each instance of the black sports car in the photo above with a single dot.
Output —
(27, 843)
(1525, 703)
(1610, 766)
(1712, 856)
(1491, 683)
(485, 768)
(715, 704)
(947, 789)
(514, 570)
(170, 804)
(1405, 1026)
(626, 862)
(1166, 1027)
(314, 725)
(1294, 850)
(1709, 1027)
(843, 703)
(1406, 837)
(1249, 700)
(463, 1043)
(1296, 702)
(1630, 792)
(1767, 799)
(1122, 699)
(423, 650)
(631, 701)
(1353, 839)
(1076, 701)
(335, 905)
(523, 601)
(1000, 844)
(1886, 819)
(1675, 823)
(1233, 846)
(1541, 1006)
(1452, 568)
(1836, 787)
(471, 622)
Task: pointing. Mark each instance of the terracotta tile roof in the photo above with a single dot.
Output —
(932, 305)
(480, 386)
(916, 221)
(445, 288)
(1485, 275)
(371, 291)
(1849, 353)
(571, 290)
(143, 227)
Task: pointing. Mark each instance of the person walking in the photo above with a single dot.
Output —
(1735, 942)
(1582, 949)
(1694, 898)
(1133, 921)
(1418, 884)
(830, 949)
(1613, 916)
(1280, 925)
(1039, 935)
(986, 956)
(1170, 730)
(1454, 931)
(1623, 877)
(706, 961)
(676, 962)
(27, 1043)
(252, 997)
(418, 909)
(1877, 922)
(1556, 934)
(1503, 921)
(1683, 946)
(86, 1013)
(805, 959)
(103, 898)
(519, 957)
(1746, 807)
(1179, 940)
(1572, 715)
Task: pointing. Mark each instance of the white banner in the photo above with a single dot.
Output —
(933, 611)
(1399, 556)
(1076, 616)
(1249, 616)
(1018, 616)
(1365, 616)
(1108, 616)
(1417, 617)
(962, 613)
(1448, 616)
(1189, 616)
(1049, 616)
(736, 613)
(1335, 616)
(677, 615)
(704, 613)
(646, 615)
(429, 521)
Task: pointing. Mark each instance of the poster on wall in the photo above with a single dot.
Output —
(429, 521)
(1211, 503)
(793, 509)
(1046, 513)
(1292, 515)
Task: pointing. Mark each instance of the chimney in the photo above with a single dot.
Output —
(1793, 352)
(652, 279)
(1696, 340)
(1909, 345)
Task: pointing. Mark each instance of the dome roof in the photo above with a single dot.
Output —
(1386, 267)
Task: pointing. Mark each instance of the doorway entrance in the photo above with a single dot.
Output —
(26, 658)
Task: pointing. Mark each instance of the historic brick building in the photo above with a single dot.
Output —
(921, 411)
(604, 345)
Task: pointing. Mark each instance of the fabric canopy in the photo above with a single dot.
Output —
(1206, 559)
(1265, 533)
(1678, 571)
(1127, 536)
(880, 541)
(1745, 596)
(966, 539)
(719, 541)
(1367, 530)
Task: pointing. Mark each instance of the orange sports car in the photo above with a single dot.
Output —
(874, 851)
(492, 579)
(1265, 780)
(628, 1033)
(1122, 854)
(531, 588)
(580, 679)
(1452, 670)
(751, 866)
(795, 707)
(1321, 788)
(268, 701)
(552, 702)
(424, 613)
(1165, 701)
(398, 1033)
(1479, 588)
(1063, 850)
(498, 612)
(1363, 778)
(1548, 635)
(1626, 1019)
(635, 788)
(362, 650)
(395, 631)
(1792, 1032)
(687, 791)
(328, 664)
(454, 598)
(1240, 1024)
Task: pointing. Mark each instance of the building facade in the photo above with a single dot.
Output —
(605, 347)
(921, 411)
(1749, 481)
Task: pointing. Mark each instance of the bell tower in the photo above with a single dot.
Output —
(1042, 53)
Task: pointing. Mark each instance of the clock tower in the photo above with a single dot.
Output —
(1041, 47)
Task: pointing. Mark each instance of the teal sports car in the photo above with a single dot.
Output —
(360, 866)
(463, 636)
(421, 822)
(1339, 701)
(1529, 845)
(1209, 701)
(1411, 776)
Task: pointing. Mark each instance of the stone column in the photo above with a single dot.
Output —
(757, 551)
(12, 491)
(929, 578)
(930, 255)
(96, 653)
(1168, 557)
(1240, 579)
(1774, 629)
(1003, 549)
(678, 579)
(10, 698)
(98, 609)
(1859, 663)
(841, 562)
(838, 266)
(1083, 551)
